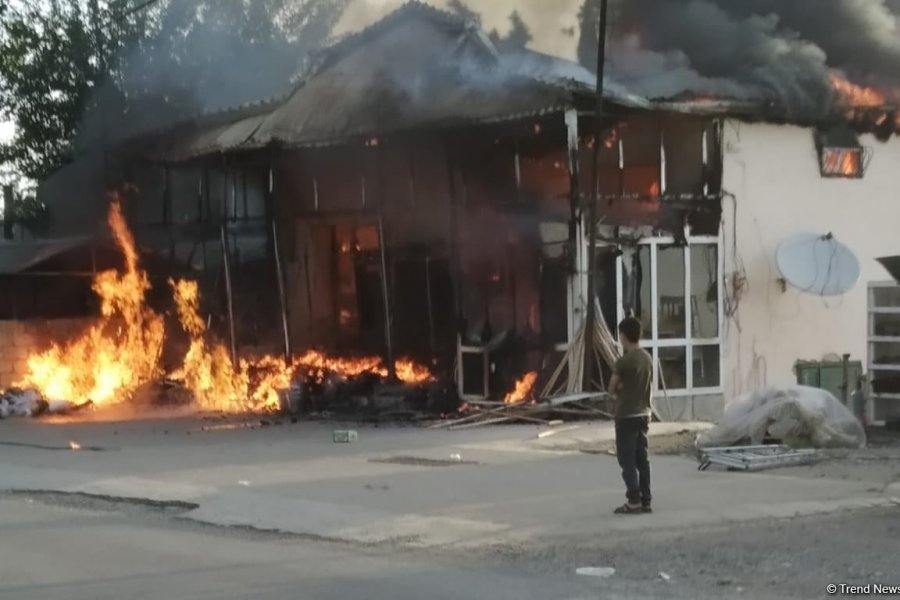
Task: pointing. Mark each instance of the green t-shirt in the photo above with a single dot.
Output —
(635, 370)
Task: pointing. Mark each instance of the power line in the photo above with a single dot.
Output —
(139, 7)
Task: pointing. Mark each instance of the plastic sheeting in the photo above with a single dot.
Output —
(21, 403)
(796, 413)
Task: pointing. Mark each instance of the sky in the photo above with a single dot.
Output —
(6, 131)
(546, 18)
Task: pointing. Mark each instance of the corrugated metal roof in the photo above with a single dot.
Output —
(417, 72)
(18, 257)
(715, 107)
(211, 140)
(417, 67)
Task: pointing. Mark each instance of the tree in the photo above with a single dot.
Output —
(588, 21)
(519, 35)
(52, 58)
(86, 73)
(461, 9)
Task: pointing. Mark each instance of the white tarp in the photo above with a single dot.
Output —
(786, 412)
(21, 403)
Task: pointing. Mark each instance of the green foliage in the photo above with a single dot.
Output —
(81, 73)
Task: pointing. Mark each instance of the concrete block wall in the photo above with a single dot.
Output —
(22, 339)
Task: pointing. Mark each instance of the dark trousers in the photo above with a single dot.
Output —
(631, 449)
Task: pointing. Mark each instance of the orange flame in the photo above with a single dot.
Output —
(111, 360)
(218, 384)
(852, 95)
(114, 357)
(610, 139)
(522, 389)
(842, 161)
(319, 364)
(410, 372)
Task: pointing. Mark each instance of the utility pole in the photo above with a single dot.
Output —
(591, 316)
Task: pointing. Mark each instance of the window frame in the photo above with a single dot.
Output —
(841, 152)
(653, 344)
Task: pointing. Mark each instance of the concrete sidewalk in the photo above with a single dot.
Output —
(425, 488)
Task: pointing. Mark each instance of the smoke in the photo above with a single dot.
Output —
(664, 74)
(207, 55)
(773, 49)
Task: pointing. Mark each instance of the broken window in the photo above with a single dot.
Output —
(641, 141)
(840, 153)
(686, 151)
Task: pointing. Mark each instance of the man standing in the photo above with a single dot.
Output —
(631, 388)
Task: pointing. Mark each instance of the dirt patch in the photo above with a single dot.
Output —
(671, 444)
(769, 558)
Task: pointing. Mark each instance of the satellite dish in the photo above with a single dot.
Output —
(817, 264)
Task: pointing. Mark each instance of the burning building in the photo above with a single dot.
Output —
(422, 193)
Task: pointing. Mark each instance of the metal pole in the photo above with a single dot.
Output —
(385, 296)
(430, 305)
(845, 389)
(279, 273)
(228, 293)
(589, 352)
(309, 298)
(455, 263)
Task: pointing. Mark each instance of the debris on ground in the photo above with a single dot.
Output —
(547, 411)
(756, 458)
(804, 416)
(21, 403)
(347, 436)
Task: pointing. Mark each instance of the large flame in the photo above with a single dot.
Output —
(851, 95)
(122, 351)
(118, 354)
(522, 389)
(254, 384)
(209, 372)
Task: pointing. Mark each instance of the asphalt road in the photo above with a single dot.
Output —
(76, 548)
(512, 518)
(76, 553)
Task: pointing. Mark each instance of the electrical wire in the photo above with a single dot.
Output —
(733, 292)
(134, 9)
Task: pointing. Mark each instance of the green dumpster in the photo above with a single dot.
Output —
(829, 376)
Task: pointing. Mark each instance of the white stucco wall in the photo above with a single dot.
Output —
(773, 173)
